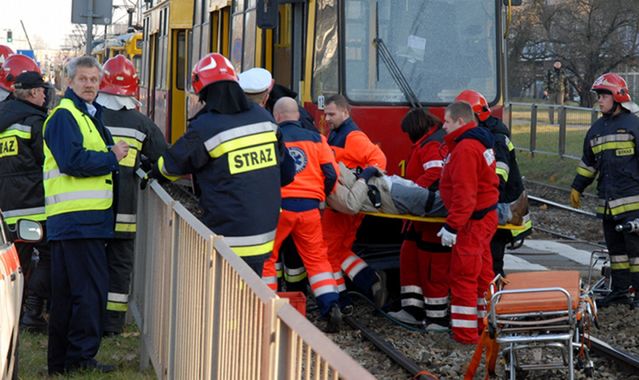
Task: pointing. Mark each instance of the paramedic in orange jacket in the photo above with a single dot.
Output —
(352, 147)
(469, 188)
(315, 177)
(424, 263)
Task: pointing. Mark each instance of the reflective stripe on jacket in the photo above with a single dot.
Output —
(144, 138)
(610, 155)
(235, 160)
(21, 159)
(65, 193)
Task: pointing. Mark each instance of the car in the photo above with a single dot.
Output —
(11, 289)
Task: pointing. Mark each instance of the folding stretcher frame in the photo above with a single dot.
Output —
(532, 313)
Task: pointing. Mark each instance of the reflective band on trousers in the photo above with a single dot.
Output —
(251, 245)
(412, 302)
(462, 323)
(411, 289)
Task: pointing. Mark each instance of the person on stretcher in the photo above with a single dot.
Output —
(370, 190)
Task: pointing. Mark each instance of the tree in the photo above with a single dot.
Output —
(590, 37)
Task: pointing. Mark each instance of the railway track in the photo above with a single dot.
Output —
(427, 356)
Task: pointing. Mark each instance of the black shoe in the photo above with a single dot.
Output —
(32, 319)
(90, 365)
(380, 293)
(31, 323)
(333, 319)
(109, 334)
(616, 297)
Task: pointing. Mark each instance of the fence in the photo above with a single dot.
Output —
(203, 314)
(549, 129)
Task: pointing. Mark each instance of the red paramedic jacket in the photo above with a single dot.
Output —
(469, 183)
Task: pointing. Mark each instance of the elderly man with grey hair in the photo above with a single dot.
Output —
(80, 169)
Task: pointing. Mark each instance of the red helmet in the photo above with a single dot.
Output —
(614, 84)
(13, 66)
(119, 77)
(476, 101)
(214, 67)
(5, 52)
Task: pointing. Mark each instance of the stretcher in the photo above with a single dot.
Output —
(540, 320)
(600, 262)
(433, 219)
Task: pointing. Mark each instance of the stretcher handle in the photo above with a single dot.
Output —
(596, 256)
(493, 300)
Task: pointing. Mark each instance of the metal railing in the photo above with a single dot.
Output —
(548, 128)
(204, 314)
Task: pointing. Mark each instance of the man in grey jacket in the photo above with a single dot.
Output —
(373, 191)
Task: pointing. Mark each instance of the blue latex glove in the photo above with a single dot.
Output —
(367, 173)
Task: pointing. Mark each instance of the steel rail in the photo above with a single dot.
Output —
(561, 206)
(598, 345)
(389, 350)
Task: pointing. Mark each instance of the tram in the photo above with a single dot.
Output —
(385, 56)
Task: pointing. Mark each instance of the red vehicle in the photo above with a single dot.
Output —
(11, 290)
(384, 56)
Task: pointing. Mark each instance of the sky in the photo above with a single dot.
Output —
(47, 20)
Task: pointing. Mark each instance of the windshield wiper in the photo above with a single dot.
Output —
(396, 73)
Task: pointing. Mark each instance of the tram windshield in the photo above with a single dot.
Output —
(440, 46)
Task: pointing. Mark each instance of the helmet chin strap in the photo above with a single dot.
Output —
(612, 110)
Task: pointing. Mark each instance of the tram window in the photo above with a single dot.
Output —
(180, 72)
(325, 64)
(238, 6)
(441, 47)
(189, 61)
(236, 41)
(196, 37)
(249, 40)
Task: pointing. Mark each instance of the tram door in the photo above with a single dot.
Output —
(177, 84)
(153, 76)
(283, 48)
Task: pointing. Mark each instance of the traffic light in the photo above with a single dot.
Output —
(9, 36)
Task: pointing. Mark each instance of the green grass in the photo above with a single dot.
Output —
(122, 351)
(550, 168)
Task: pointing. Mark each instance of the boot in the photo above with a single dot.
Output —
(32, 318)
(379, 291)
(616, 297)
(113, 323)
(333, 319)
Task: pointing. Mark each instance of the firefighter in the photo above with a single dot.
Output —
(117, 96)
(5, 52)
(232, 150)
(610, 155)
(352, 147)
(257, 84)
(424, 262)
(80, 159)
(21, 189)
(316, 174)
(469, 188)
(511, 187)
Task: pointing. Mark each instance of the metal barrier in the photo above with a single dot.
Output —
(204, 314)
(548, 128)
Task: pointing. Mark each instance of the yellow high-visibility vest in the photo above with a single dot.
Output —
(64, 193)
